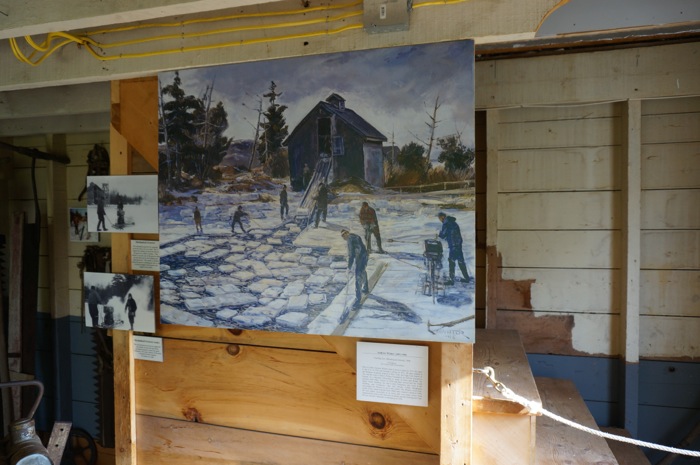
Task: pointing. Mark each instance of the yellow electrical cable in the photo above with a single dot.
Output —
(228, 17)
(224, 45)
(306, 22)
(48, 47)
(437, 3)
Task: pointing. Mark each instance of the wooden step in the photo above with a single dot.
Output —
(626, 454)
(503, 430)
(558, 443)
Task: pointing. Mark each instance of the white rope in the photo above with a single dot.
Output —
(536, 408)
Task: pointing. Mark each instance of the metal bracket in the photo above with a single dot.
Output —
(386, 15)
(58, 440)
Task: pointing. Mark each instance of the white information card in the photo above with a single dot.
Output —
(148, 348)
(392, 373)
(145, 255)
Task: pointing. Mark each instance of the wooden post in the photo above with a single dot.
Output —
(124, 390)
(134, 127)
(456, 404)
(492, 272)
(632, 191)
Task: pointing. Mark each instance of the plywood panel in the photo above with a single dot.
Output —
(173, 442)
(594, 132)
(573, 290)
(666, 250)
(670, 292)
(677, 127)
(310, 394)
(671, 166)
(565, 169)
(671, 209)
(560, 249)
(558, 210)
(669, 337)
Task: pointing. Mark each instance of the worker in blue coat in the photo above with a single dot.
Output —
(357, 254)
(451, 234)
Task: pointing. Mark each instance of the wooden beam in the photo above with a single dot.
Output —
(138, 105)
(492, 261)
(34, 17)
(632, 192)
(456, 404)
(255, 38)
(122, 341)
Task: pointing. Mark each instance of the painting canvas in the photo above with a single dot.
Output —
(329, 194)
(126, 204)
(119, 301)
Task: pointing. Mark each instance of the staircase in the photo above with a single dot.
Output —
(506, 433)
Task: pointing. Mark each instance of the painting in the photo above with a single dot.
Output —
(329, 194)
(78, 227)
(127, 204)
(119, 301)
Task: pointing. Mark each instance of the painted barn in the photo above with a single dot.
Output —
(331, 129)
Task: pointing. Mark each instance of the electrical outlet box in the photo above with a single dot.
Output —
(386, 15)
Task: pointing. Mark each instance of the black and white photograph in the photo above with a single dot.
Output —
(330, 194)
(119, 301)
(78, 226)
(126, 204)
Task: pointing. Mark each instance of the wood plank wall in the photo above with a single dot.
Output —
(584, 153)
(558, 201)
(65, 362)
(670, 229)
(217, 389)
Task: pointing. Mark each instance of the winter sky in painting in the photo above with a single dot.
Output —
(282, 271)
(393, 88)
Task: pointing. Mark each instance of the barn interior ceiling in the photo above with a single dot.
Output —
(68, 55)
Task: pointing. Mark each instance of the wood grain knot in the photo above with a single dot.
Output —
(233, 349)
(192, 414)
(377, 420)
(235, 331)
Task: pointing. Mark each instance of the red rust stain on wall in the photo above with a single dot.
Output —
(539, 333)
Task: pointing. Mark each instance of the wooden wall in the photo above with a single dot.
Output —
(218, 389)
(592, 173)
(670, 229)
(65, 360)
(588, 182)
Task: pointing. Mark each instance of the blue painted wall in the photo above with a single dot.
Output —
(669, 395)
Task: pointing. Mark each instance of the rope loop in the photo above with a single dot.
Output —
(537, 409)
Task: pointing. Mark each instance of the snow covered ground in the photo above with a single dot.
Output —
(287, 276)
